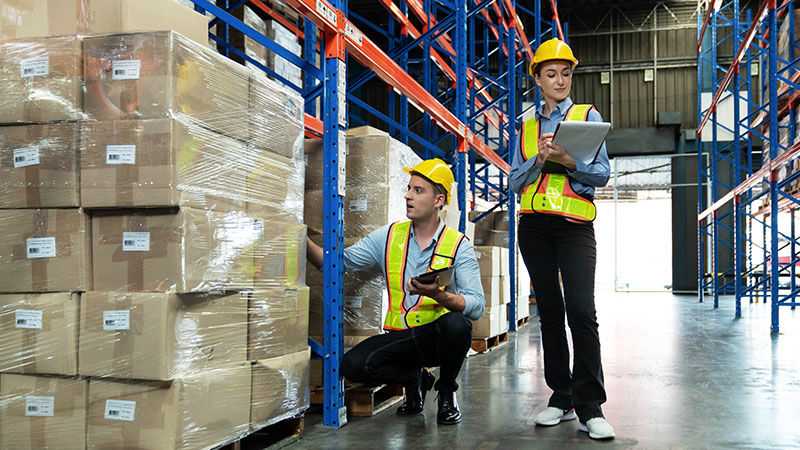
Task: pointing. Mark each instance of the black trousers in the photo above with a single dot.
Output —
(397, 357)
(550, 244)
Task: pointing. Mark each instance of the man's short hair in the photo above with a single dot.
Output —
(439, 189)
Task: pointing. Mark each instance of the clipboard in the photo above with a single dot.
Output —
(581, 140)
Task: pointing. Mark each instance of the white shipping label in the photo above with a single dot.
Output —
(117, 320)
(26, 156)
(39, 406)
(359, 205)
(120, 410)
(135, 241)
(41, 247)
(34, 67)
(120, 154)
(353, 302)
(125, 69)
(28, 319)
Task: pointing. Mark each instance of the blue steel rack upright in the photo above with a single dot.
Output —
(753, 274)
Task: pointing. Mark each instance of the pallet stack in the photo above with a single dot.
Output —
(153, 252)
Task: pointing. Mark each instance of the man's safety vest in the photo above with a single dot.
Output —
(426, 310)
(551, 193)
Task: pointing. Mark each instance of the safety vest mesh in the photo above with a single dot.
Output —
(552, 193)
(426, 310)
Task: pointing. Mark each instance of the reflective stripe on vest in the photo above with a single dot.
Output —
(552, 193)
(426, 310)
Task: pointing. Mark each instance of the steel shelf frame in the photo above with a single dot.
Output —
(757, 267)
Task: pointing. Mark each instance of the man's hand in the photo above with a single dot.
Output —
(427, 290)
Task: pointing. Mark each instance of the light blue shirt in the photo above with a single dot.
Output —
(584, 178)
(371, 252)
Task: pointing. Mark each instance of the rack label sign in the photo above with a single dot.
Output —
(41, 247)
(342, 173)
(342, 92)
(353, 33)
(353, 302)
(120, 154)
(39, 406)
(34, 67)
(135, 241)
(28, 319)
(359, 205)
(117, 320)
(120, 410)
(326, 12)
(127, 69)
(26, 156)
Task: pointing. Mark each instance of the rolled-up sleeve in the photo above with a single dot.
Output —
(598, 172)
(367, 252)
(468, 281)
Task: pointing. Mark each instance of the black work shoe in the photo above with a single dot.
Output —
(448, 409)
(415, 395)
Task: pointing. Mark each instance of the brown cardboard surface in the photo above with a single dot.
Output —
(277, 322)
(489, 261)
(280, 254)
(166, 336)
(190, 250)
(505, 289)
(491, 291)
(366, 208)
(365, 303)
(488, 325)
(65, 427)
(280, 387)
(274, 185)
(276, 120)
(48, 174)
(201, 411)
(36, 18)
(71, 267)
(40, 96)
(47, 346)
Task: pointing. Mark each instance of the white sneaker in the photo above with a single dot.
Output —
(554, 416)
(597, 428)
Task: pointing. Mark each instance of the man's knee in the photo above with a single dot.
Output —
(352, 366)
(456, 326)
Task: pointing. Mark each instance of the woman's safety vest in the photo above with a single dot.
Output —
(552, 193)
(426, 310)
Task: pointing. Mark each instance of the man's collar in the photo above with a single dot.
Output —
(561, 107)
(435, 235)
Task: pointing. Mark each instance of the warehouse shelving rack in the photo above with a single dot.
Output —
(477, 109)
(756, 197)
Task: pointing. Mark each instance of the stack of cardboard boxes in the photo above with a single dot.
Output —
(153, 252)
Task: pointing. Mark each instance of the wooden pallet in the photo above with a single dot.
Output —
(522, 322)
(272, 437)
(487, 344)
(364, 400)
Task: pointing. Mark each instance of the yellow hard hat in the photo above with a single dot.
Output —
(436, 171)
(551, 50)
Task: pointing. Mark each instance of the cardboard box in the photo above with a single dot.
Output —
(493, 323)
(276, 118)
(153, 336)
(277, 322)
(162, 74)
(161, 163)
(39, 412)
(451, 217)
(174, 251)
(280, 255)
(40, 79)
(274, 185)
(40, 166)
(505, 289)
(39, 333)
(489, 260)
(201, 411)
(37, 18)
(45, 250)
(523, 309)
(491, 291)
(280, 388)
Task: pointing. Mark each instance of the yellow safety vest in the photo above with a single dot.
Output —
(552, 193)
(426, 310)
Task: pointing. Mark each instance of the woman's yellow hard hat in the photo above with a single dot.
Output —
(436, 171)
(554, 49)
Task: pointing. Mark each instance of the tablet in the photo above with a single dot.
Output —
(445, 276)
(581, 140)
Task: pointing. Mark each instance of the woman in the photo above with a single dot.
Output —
(556, 235)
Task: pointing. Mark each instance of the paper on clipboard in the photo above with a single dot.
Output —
(581, 140)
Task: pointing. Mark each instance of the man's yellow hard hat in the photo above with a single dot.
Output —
(551, 50)
(436, 171)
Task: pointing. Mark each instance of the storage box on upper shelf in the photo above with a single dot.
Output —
(275, 118)
(40, 79)
(39, 166)
(39, 18)
(204, 410)
(45, 250)
(278, 322)
(244, 43)
(39, 333)
(39, 412)
(152, 336)
(280, 388)
(163, 74)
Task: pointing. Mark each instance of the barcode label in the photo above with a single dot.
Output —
(28, 319)
(353, 302)
(125, 69)
(135, 241)
(41, 247)
(34, 67)
(26, 156)
(117, 320)
(359, 205)
(120, 410)
(120, 154)
(39, 406)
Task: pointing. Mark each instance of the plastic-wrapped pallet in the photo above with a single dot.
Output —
(288, 40)
(246, 44)
(280, 388)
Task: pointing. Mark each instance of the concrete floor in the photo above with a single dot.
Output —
(678, 375)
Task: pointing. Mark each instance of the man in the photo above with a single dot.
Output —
(428, 326)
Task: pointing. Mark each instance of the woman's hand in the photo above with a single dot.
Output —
(553, 152)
